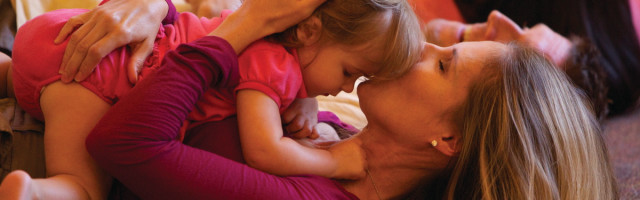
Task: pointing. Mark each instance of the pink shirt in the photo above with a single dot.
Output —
(263, 66)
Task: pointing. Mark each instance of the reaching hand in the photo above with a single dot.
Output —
(116, 23)
(301, 118)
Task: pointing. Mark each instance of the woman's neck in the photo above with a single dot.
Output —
(394, 170)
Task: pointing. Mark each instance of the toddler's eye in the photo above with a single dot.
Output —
(346, 73)
(441, 65)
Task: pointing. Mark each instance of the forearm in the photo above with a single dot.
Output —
(170, 17)
(286, 157)
(257, 19)
(234, 29)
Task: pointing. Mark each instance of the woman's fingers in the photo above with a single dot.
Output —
(140, 53)
(68, 27)
(95, 53)
(105, 28)
(77, 49)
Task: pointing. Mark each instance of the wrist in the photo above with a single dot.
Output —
(239, 30)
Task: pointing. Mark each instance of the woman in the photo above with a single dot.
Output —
(498, 119)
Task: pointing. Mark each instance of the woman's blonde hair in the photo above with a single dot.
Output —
(527, 133)
(356, 22)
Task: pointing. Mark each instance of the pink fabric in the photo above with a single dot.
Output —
(264, 66)
(427, 10)
(36, 61)
(135, 143)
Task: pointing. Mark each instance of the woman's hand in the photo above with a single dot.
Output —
(258, 18)
(107, 27)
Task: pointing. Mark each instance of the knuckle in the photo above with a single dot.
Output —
(94, 51)
(124, 33)
(75, 38)
(82, 47)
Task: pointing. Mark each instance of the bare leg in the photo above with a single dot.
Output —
(5, 63)
(70, 112)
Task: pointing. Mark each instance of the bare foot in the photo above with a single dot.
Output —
(17, 185)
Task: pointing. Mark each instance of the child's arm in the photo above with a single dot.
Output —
(265, 148)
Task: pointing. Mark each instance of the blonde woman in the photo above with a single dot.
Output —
(480, 120)
(528, 134)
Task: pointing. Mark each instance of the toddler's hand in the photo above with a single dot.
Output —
(350, 160)
(301, 117)
(327, 136)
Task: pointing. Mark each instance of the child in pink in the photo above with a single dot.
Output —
(282, 81)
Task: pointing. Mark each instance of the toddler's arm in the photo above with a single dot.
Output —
(265, 148)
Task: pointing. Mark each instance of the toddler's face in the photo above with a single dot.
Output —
(329, 69)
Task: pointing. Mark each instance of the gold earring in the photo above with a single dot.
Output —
(434, 143)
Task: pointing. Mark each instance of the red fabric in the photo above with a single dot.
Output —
(135, 142)
(427, 10)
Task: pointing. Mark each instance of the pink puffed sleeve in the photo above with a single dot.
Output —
(271, 69)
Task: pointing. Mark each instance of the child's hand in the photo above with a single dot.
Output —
(301, 117)
(350, 160)
(327, 136)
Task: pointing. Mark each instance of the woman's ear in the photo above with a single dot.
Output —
(309, 31)
(447, 143)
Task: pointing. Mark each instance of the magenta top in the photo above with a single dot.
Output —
(135, 140)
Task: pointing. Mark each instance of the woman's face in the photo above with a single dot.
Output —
(422, 100)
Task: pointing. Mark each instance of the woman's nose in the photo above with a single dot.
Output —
(430, 48)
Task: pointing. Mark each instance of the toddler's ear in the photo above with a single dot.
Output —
(309, 31)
